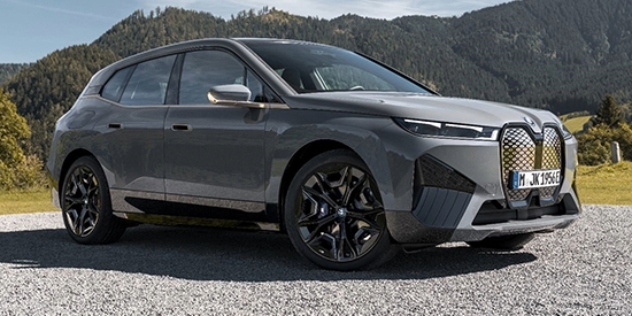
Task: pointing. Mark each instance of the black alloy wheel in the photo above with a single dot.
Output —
(335, 216)
(85, 202)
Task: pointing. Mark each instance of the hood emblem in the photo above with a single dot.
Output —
(529, 121)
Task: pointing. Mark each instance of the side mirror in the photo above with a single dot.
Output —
(236, 95)
(229, 93)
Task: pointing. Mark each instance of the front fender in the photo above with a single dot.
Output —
(286, 137)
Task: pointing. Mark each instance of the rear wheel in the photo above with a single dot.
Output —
(86, 208)
(512, 242)
(334, 214)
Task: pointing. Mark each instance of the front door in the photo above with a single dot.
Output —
(214, 155)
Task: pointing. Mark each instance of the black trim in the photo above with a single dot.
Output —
(173, 90)
(431, 172)
(406, 229)
(168, 208)
(441, 208)
(490, 213)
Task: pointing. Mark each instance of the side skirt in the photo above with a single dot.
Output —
(167, 220)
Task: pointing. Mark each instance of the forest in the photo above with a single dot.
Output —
(562, 55)
(9, 70)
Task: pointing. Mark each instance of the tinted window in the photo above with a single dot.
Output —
(148, 84)
(112, 90)
(343, 77)
(204, 69)
(315, 68)
(258, 91)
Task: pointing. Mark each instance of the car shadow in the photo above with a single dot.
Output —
(208, 254)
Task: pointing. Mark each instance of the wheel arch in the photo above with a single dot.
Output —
(303, 155)
(316, 147)
(68, 161)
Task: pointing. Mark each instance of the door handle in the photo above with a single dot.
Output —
(181, 128)
(115, 125)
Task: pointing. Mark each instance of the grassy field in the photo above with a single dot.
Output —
(576, 124)
(25, 202)
(607, 184)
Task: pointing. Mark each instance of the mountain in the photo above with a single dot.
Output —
(564, 55)
(9, 70)
(48, 88)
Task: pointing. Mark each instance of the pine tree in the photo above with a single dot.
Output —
(609, 113)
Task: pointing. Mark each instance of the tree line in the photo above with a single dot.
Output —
(563, 55)
(9, 70)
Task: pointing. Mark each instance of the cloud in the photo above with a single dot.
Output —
(332, 8)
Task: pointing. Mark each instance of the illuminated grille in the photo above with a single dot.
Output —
(520, 152)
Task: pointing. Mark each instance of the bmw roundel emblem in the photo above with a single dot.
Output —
(529, 121)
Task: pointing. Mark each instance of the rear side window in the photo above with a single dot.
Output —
(113, 89)
(148, 84)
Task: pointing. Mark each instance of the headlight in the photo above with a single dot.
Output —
(451, 130)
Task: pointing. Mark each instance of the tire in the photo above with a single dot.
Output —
(334, 230)
(512, 242)
(86, 205)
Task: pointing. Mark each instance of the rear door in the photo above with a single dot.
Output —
(132, 133)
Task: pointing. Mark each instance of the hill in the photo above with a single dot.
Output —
(563, 55)
(9, 70)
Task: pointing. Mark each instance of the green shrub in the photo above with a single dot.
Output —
(594, 145)
(17, 170)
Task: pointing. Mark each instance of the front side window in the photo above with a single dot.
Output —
(203, 70)
(148, 84)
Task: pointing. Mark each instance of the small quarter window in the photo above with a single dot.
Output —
(149, 82)
(112, 90)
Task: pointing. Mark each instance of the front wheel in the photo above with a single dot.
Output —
(334, 214)
(85, 202)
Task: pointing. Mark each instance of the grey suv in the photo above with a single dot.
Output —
(351, 158)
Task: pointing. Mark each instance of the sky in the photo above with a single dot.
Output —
(31, 29)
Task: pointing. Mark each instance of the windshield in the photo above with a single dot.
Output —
(318, 68)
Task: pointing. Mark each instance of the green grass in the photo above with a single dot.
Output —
(576, 124)
(607, 184)
(26, 202)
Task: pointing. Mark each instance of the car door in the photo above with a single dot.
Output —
(214, 155)
(132, 133)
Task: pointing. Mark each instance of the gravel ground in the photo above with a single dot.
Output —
(584, 270)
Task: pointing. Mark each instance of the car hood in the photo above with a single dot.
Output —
(420, 106)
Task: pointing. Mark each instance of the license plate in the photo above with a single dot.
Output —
(534, 179)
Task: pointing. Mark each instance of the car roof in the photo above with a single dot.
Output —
(237, 45)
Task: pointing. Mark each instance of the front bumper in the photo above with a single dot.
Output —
(462, 193)
(473, 223)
